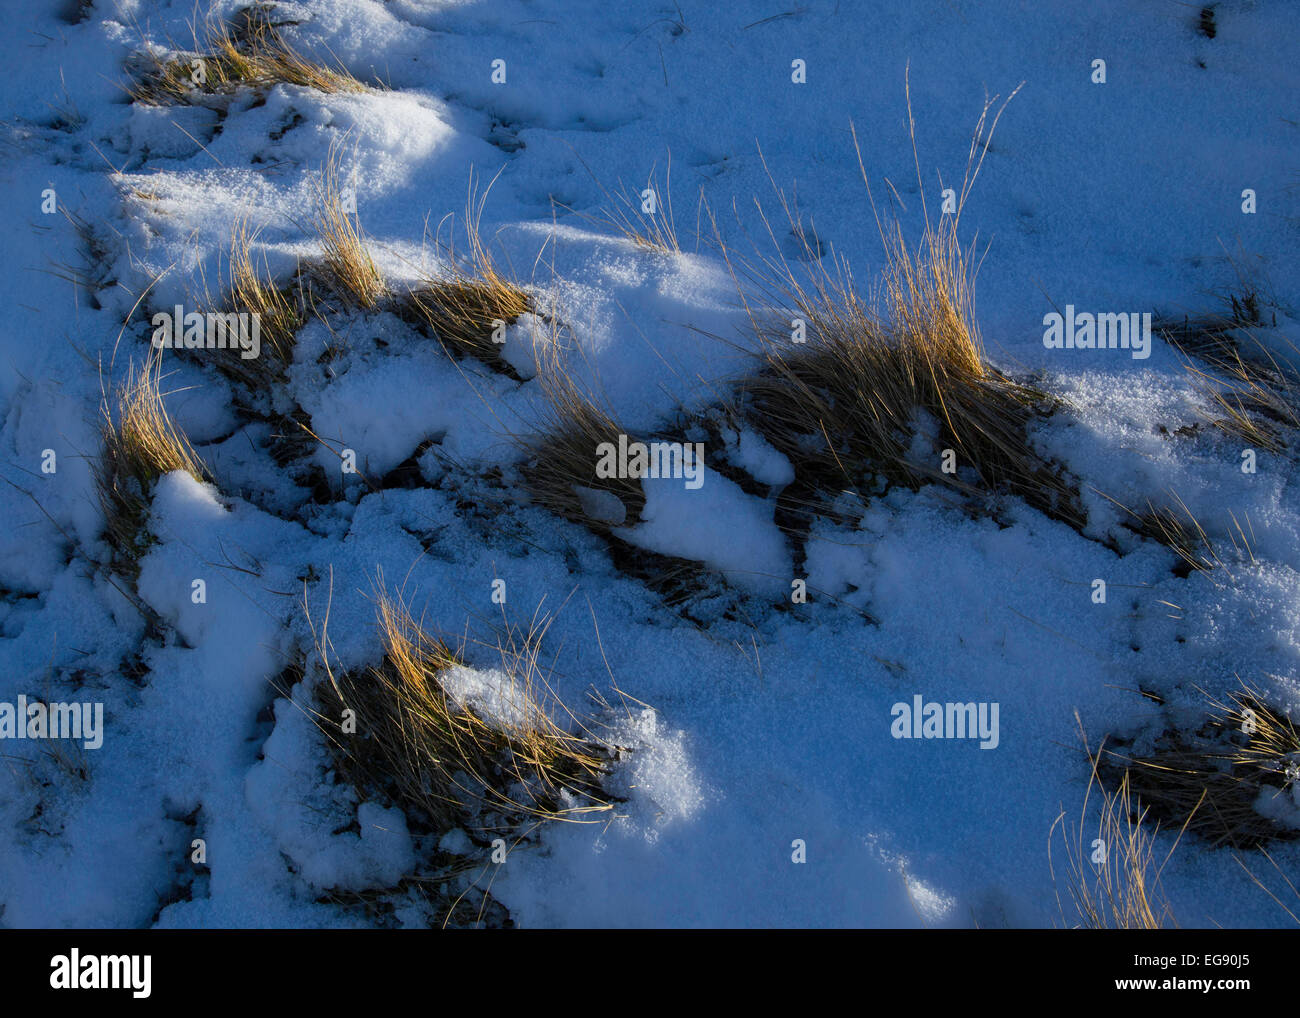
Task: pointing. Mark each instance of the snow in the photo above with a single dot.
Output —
(751, 722)
(717, 524)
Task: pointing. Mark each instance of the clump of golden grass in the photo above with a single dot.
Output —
(848, 402)
(655, 231)
(1213, 336)
(563, 454)
(1184, 781)
(1239, 406)
(1174, 526)
(248, 52)
(465, 310)
(1113, 879)
(279, 309)
(1272, 747)
(443, 761)
(346, 267)
(253, 291)
(1251, 394)
(1209, 780)
(140, 445)
(627, 216)
(562, 450)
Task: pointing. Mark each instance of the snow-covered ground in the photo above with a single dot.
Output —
(751, 723)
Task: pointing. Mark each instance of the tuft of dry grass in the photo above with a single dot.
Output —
(1251, 393)
(854, 396)
(140, 445)
(1185, 782)
(466, 310)
(879, 389)
(563, 454)
(279, 309)
(653, 228)
(1209, 780)
(248, 52)
(654, 231)
(1271, 749)
(1113, 877)
(346, 266)
(254, 291)
(1172, 523)
(1174, 526)
(444, 761)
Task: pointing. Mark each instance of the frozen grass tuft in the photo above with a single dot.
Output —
(653, 230)
(279, 308)
(346, 267)
(1172, 523)
(892, 389)
(1175, 526)
(468, 309)
(1250, 391)
(1210, 781)
(1113, 878)
(140, 446)
(446, 762)
(563, 455)
(644, 218)
(249, 52)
